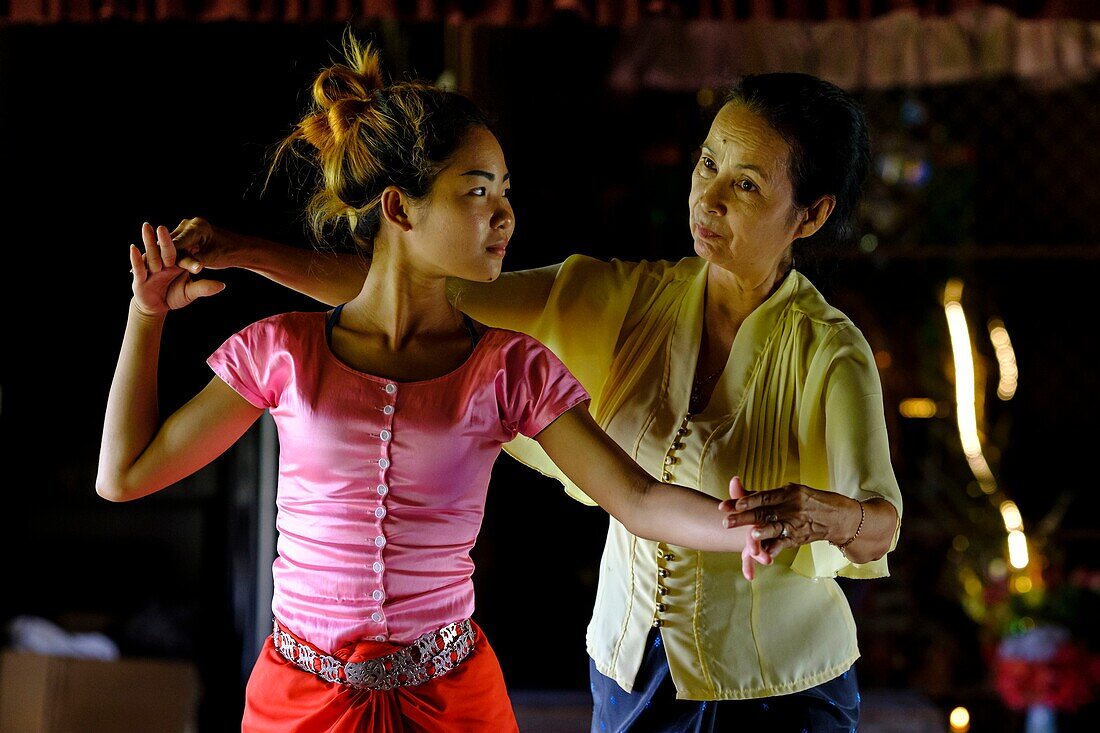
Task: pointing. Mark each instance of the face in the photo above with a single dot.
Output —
(742, 211)
(464, 224)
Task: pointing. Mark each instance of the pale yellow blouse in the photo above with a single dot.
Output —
(799, 401)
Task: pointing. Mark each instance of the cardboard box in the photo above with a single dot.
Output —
(45, 694)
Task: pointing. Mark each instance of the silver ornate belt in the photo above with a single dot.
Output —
(432, 655)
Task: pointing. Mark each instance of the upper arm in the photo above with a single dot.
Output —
(857, 443)
(515, 300)
(193, 436)
(590, 458)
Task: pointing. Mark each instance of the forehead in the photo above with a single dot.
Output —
(479, 149)
(745, 136)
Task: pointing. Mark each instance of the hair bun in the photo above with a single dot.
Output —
(357, 80)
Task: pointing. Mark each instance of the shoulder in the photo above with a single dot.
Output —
(579, 267)
(283, 329)
(832, 326)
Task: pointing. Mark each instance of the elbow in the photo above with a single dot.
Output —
(111, 490)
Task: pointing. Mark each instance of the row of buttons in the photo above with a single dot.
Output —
(384, 463)
(663, 555)
(677, 444)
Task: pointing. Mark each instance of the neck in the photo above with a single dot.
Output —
(731, 297)
(400, 301)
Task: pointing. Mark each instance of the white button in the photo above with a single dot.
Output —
(385, 435)
(383, 462)
(377, 567)
(376, 616)
(379, 638)
(391, 388)
(387, 410)
(380, 512)
(382, 489)
(377, 595)
(379, 541)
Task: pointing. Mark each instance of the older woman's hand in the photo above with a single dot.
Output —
(203, 246)
(794, 515)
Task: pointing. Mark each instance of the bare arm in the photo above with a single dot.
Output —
(335, 278)
(329, 277)
(139, 454)
(646, 507)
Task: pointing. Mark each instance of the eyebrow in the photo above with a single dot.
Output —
(746, 166)
(486, 174)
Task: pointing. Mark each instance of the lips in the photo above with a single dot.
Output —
(703, 233)
(498, 248)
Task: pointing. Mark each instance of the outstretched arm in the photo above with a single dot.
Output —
(646, 507)
(516, 298)
(329, 277)
(139, 454)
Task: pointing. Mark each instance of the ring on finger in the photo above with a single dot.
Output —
(771, 518)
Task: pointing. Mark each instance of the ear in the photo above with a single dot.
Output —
(813, 218)
(394, 205)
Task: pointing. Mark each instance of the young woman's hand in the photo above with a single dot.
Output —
(160, 284)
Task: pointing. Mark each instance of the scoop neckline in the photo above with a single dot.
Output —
(331, 355)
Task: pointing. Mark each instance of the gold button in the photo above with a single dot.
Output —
(662, 590)
(669, 557)
(677, 446)
(669, 460)
(681, 432)
(666, 476)
(661, 607)
(663, 572)
(658, 623)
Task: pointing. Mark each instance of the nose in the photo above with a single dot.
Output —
(711, 201)
(503, 218)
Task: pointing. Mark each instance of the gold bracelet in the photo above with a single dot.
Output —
(862, 516)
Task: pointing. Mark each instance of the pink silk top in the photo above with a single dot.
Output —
(382, 483)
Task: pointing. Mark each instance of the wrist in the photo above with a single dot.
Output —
(853, 528)
(143, 315)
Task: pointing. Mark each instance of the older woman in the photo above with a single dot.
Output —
(727, 363)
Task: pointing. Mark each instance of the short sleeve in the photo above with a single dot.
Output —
(536, 389)
(255, 363)
(854, 456)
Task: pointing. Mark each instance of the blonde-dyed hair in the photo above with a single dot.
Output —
(365, 134)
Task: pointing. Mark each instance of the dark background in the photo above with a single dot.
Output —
(106, 126)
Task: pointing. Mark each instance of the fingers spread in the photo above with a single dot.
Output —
(167, 247)
(137, 264)
(152, 249)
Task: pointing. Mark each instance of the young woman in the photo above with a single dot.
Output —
(391, 409)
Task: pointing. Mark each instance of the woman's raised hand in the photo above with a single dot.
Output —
(160, 284)
(201, 246)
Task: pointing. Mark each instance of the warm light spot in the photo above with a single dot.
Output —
(868, 243)
(883, 360)
(1022, 584)
(705, 97)
(1017, 549)
(960, 543)
(1011, 514)
(960, 720)
(1006, 359)
(917, 407)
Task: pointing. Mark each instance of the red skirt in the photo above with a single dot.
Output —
(283, 698)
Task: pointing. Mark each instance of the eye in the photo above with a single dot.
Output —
(708, 163)
(746, 185)
(479, 191)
